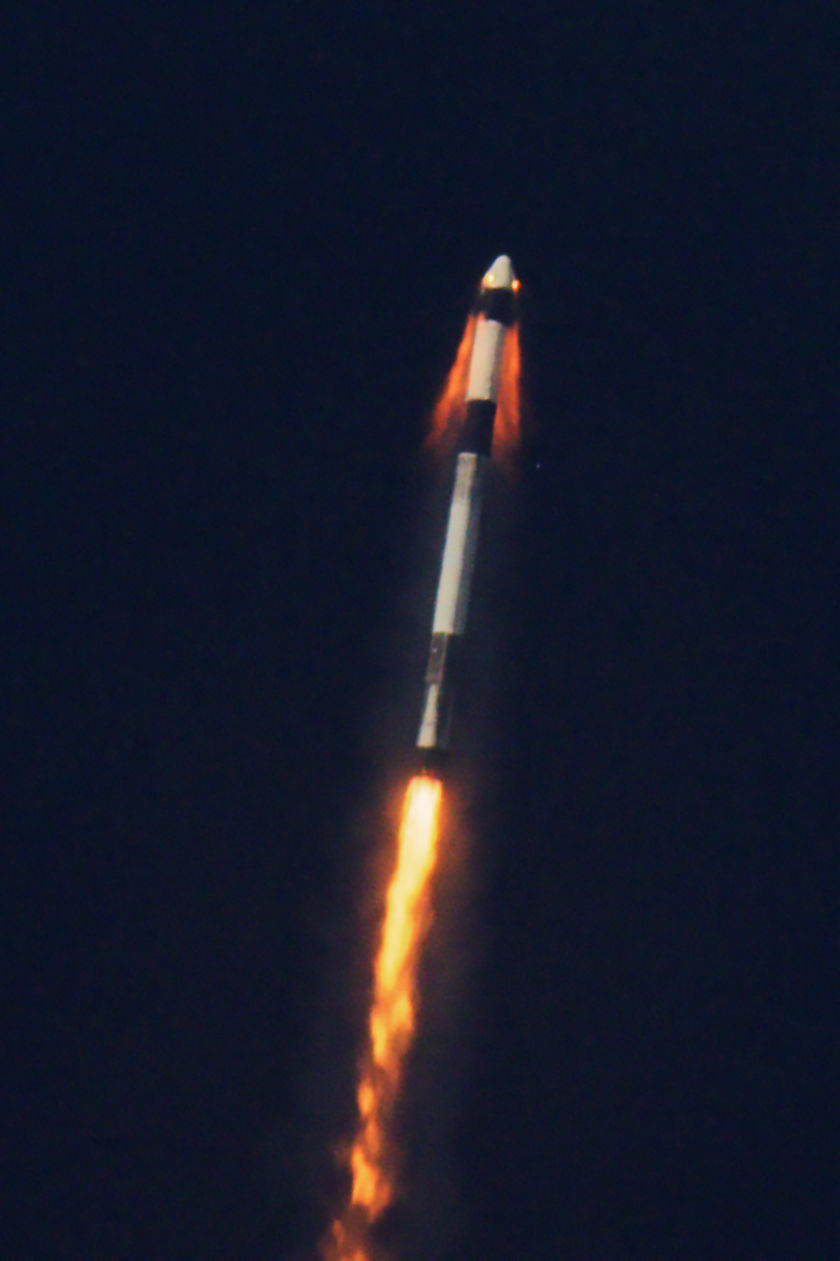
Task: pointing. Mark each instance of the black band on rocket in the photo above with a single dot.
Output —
(477, 433)
(497, 304)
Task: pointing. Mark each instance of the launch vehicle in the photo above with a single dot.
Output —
(495, 312)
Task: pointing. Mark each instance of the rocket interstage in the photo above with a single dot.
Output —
(495, 315)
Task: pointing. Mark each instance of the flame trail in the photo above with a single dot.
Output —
(392, 1021)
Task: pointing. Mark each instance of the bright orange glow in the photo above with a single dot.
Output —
(450, 407)
(392, 1020)
(507, 428)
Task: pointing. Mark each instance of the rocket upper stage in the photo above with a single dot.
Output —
(495, 310)
(496, 298)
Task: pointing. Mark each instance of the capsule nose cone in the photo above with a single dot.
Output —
(501, 275)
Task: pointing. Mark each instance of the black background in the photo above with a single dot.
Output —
(243, 241)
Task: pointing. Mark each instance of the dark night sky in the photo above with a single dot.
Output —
(243, 239)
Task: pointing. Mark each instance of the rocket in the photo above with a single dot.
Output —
(495, 312)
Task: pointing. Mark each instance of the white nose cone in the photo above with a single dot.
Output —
(501, 275)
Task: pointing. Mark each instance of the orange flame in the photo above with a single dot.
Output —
(507, 427)
(449, 409)
(392, 1018)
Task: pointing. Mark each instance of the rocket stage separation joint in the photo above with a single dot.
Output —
(495, 311)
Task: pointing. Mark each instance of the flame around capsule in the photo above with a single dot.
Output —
(449, 411)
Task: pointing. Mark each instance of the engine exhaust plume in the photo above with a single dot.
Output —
(391, 1023)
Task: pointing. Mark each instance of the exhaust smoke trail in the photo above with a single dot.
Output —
(392, 1021)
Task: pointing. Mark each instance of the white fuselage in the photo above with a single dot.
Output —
(486, 360)
(453, 591)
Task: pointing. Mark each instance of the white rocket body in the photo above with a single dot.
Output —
(496, 310)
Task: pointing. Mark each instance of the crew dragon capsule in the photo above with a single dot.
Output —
(495, 311)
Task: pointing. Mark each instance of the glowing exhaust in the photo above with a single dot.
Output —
(392, 1020)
